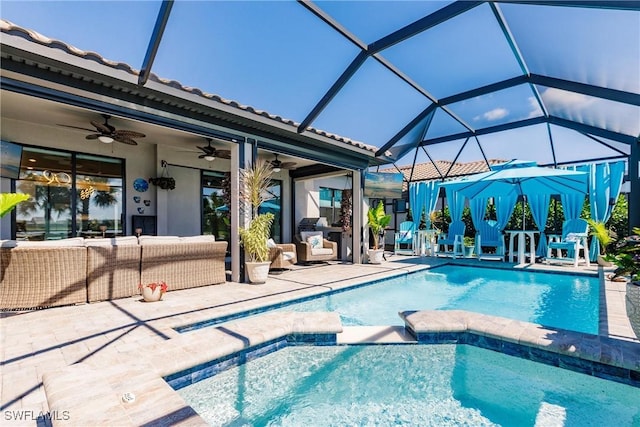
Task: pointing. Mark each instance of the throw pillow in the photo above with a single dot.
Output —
(271, 243)
(572, 237)
(304, 235)
(315, 242)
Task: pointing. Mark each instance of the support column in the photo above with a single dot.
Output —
(634, 178)
(358, 216)
(162, 200)
(240, 158)
(6, 232)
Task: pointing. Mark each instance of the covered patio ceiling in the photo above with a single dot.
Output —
(556, 82)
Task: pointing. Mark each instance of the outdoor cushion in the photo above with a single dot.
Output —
(8, 244)
(572, 237)
(271, 243)
(321, 251)
(74, 241)
(315, 242)
(157, 240)
(201, 238)
(288, 255)
(113, 241)
(304, 235)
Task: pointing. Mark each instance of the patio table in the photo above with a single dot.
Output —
(522, 236)
(425, 242)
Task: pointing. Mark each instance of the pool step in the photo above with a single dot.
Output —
(374, 334)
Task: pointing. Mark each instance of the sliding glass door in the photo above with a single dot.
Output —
(70, 195)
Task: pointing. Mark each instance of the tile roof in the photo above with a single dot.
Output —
(428, 172)
(35, 37)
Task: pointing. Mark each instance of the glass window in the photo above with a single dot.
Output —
(330, 200)
(47, 177)
(273, 204)
(98, 196)
(94, 193)
(216, 199)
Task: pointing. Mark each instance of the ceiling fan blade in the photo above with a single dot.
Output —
(223, 154)
(92, 136)
(129, 134)
(104, 128)
(76, 127)
(202, 156)
(288, 165)
(207, 150)
(124, 140)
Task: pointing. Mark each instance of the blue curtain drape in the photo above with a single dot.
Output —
(478, 208)
(605, 183)
(572, 205)
(431, 190)
(504, 209)
(539, 205)
(455, 201)
(415, 203)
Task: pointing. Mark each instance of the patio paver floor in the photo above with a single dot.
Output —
(45, 340)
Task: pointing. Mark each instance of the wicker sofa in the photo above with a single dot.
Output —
(76, 271)
(182, 262)
(113, 268)
(42, 274)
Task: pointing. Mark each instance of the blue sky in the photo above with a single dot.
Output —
(278, 57)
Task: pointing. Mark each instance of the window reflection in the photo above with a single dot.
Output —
(216, 218)
(330, 202)
(46, 176)
(273, 204)
(98, 196)
(94, 193)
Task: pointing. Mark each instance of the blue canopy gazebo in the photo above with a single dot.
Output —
(505, 182)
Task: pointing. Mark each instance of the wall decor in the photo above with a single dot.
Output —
(141, 185)
(136, 199)
(141, 210)
(147, 202)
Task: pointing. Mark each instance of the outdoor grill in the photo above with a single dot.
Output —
(308, 224)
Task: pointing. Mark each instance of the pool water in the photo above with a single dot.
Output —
(556, 300)
(417, 385)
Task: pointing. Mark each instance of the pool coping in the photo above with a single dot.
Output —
(93, 390)
(318, 293)
(301, 294)
(590, 354)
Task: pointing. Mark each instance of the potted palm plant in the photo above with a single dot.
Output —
(605, 236)
(378, 220)
(469, 245)
(626, 256)
(255, 182)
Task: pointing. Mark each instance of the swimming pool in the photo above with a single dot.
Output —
(438, 385)
(557, 300)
